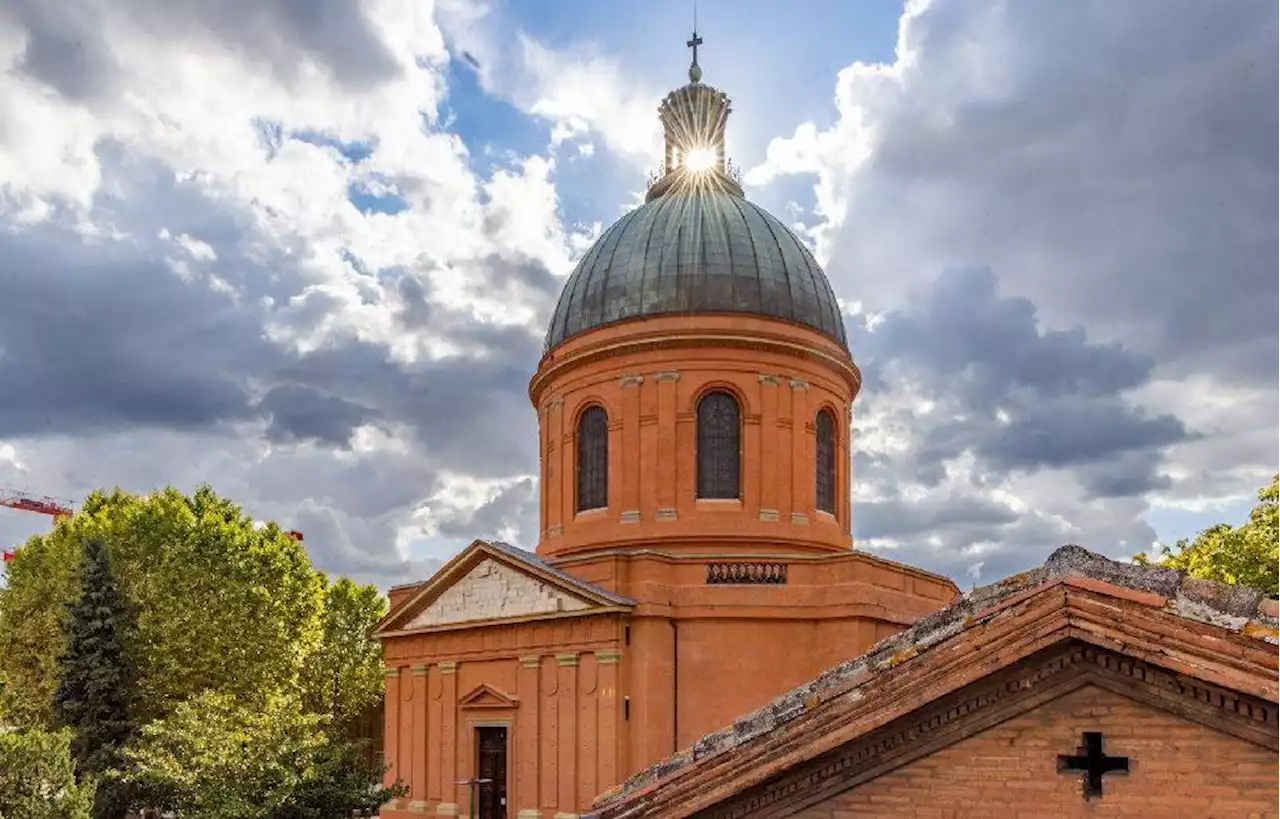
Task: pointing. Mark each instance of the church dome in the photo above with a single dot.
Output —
(692, 249)
(696, 246)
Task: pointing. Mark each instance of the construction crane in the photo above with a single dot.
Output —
(40, 504)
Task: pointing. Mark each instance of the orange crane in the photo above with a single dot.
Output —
(40, 504)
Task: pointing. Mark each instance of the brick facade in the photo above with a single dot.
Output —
(1177, 769)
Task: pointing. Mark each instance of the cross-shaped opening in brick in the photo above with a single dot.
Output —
(1092, 763)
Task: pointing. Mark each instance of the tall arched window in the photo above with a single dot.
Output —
(719, 446)
(593, 459)
(825, 426)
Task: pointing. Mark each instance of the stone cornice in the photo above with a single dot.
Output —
(641, 343)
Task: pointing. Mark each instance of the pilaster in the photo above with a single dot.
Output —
(768, 463)
(630, 454)
(527, 738)
(418, 741)
(607, 745)
(668, 460)
(391, 726)
(567, 706)
(802, 484)
(449, 731)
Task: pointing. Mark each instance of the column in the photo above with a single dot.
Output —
(567, 707)
(668, 465)
(607, 698)
(802, 483)
(527, 739)
(768, 466)
(418, 741)
(448, 739)
(630, 454)
(391, 728)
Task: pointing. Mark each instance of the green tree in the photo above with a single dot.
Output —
(1246, 555)
(218, 758)
(344, 677)
(222, 602)
(95, 683)
(37, 777)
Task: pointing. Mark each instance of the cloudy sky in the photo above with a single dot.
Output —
(305, 252)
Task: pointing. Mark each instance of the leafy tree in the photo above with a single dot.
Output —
(218, 758)
(1247, 555)
(95, 681)
(222, 602)
(344, 678)
(37, 777)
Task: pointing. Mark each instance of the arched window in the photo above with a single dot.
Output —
(719, 447)
(593, 459)
(825, 426)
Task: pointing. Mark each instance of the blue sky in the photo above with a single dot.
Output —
(309, 257)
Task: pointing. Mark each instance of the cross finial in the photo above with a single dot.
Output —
(695, 71)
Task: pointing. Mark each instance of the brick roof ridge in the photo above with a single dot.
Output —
(1235, 608)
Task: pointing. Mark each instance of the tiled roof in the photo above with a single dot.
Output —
(532, 560)
(1236, 609)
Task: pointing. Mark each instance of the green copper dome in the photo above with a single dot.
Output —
(696, 248)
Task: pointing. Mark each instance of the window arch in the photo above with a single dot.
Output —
(593, 459)
(719, 446)
(825, 426)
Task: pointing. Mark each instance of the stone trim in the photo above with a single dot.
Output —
(529, 813)
(669, 375)
(608, 656)
(555, 531)
(566, 816)
(799, 384)
(531, 661)
(664, 514)
(446, 809)
(567, 659)
(420, 670)
(391, 673)
(800, 518)
(768, 379)
(768, 514)
(417, 806)
(630, 516)
(448, 667)
(630, 381)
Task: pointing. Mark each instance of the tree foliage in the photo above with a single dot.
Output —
(343, 678)
(222, 603)
(37, 777)
(1247, 555)
(95, 683)
(217, 758)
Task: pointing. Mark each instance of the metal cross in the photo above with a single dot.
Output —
(1093, 763)
(694, 43)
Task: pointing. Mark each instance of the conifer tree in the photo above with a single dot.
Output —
(94, 682)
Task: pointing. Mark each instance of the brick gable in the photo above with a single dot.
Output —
(1178, 768)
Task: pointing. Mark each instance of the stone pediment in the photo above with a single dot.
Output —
(486, 696)
(493, 591)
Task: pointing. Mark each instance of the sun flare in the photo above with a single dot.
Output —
(699, 159)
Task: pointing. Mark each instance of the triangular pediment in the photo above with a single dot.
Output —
(486, 696)
(487, 584)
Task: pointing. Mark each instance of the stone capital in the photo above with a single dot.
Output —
(768, 379)
(630, 381)
(391, 672)
(669, 375)
(567, 659)
(531, 661)
(420, 670)
(448, 667)
(608, 656)
(629, 516)
(446, 809)
(799, 384)
(417, 806)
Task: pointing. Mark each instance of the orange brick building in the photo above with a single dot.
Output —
(695, 558)
(1085, 688)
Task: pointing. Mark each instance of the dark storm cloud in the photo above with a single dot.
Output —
(65, 45)
(897, 520)
(303, 413)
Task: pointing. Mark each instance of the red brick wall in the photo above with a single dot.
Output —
(1177, 769)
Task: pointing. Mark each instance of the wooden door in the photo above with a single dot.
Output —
(492, 765)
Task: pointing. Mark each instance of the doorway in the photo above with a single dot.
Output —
(491, 743)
